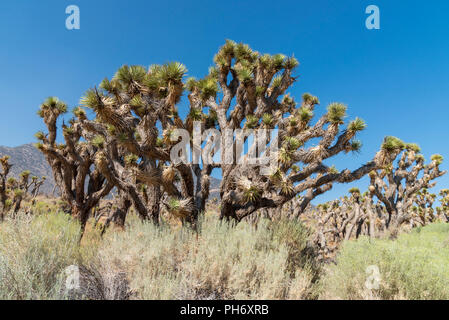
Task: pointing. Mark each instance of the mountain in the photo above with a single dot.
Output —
(27, 157)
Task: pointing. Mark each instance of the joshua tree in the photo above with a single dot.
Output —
(72, 162)
(36, 184)
(423, 212)
(344, 219)
(397, 187)
(5, 204)
(136, 117)
(25, 184)
(253, 88)
(443, 209)
(12, 192)
(358, 215)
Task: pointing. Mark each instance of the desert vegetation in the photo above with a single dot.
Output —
(140, 225)
(412, 267)
(13, 191)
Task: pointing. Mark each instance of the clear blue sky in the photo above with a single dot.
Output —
(396, 78)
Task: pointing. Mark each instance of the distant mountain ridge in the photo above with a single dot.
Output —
(27, 157)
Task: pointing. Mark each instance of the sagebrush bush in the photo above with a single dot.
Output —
(34, 253)
(222, 262)
(270, 261)
(414, 266)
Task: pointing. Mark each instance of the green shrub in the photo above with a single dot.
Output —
(414, 266)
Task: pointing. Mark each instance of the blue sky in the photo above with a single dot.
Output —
(395, 78)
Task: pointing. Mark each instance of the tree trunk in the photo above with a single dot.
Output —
(119, 215)
(154, 199)
(353, 222)
(227, 212)
(372, 220)
(17, 204)
(82, 215)
(3, 199)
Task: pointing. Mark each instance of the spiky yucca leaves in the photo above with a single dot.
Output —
(128, 77)
(305, 114)
(169, 136)
(355, 146)
(166, 75)
(413, 147)
(80, 113)
(166, 81)
(104, 107)
(268, 120)
(196, 114)
(11, 183)
(98, 141)
(250, 192)
(25, 174)
(309, 99)
(131, 159)
(169, 175)
(285, 186)
(336, 112)
(180, 208)
(393, 144)
(52, 106)
(251, 121)
(354, 191)
(245, 75)
(170, 73)
(291, 143)
(356, 125)
(288, 103)
(390, 149)
(276, 82)
(437, 158)
(333, 170)
(205, 88)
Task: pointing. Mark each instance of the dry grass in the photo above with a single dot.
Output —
(272, 261)
(242, 262)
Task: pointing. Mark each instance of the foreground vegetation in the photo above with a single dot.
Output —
(272, 261)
